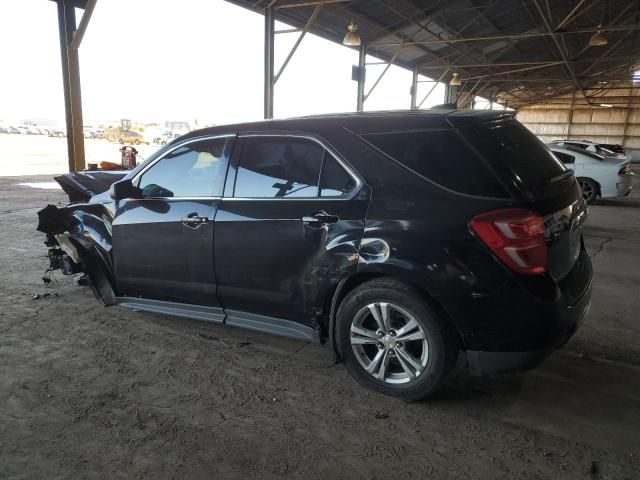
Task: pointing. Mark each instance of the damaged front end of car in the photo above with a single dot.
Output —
(79, 240)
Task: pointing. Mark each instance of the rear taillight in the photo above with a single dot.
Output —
(516, 237)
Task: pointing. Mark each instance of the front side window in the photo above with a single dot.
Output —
(192, 170)
(279, 167)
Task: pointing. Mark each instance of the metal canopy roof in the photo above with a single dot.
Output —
(521, 50)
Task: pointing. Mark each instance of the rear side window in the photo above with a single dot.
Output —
(565, 157)
(278, 167)
(509, 144)
(334, 181)
(289, 167)
(443, 157)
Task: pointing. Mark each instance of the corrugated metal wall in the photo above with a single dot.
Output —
(570, 116)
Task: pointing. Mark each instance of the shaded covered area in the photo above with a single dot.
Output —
(515, 53)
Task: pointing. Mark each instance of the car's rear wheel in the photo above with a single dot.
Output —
(136, 142)
(392, 342)
(589, 189)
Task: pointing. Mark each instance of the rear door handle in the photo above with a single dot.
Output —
(319, 219)
(193, 220)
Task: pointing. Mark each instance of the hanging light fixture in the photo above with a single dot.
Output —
(455, 80)
(352, 38)
(598, 39)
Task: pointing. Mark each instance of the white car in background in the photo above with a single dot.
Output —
(597, 175)
(590, 147)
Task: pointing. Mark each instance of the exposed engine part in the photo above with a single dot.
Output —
(60, 260)
(51, 241)
(68, 247)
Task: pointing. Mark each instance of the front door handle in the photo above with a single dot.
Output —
(319, 219)
(193, 220)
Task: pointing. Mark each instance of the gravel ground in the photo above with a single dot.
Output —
(94, 392)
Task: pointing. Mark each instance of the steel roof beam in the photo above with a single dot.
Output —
(435, 84)
(312, 3)
(84, 22)
(489, 38)
(427, 12)
(526, 69)
(575, 13)
(560, 48)
(361, 19)
(306, 28)
(386, 68)
(426, 29)
(539, 62)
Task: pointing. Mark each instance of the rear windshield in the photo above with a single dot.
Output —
(441, 156)
(509, 144)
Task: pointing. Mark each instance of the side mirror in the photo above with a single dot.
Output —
(124, 189)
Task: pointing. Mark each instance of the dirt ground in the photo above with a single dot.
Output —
(94, 392)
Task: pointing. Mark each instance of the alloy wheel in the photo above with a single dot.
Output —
(587, 189)
(389, 343)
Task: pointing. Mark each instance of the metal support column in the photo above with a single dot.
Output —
(268, 61)
(71, 84)
(362, 74)
(414, 88)
(627, 115)
(570, 122)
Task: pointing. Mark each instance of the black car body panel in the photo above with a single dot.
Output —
(268, 263)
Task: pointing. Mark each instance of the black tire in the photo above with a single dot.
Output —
(121, 140)
(589, 189)
(136, 142)
(442, 340)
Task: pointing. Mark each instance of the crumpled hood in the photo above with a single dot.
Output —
(81, 186)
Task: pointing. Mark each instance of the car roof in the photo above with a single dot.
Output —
(368, 122)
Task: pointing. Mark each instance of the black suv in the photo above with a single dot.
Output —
(403, 239)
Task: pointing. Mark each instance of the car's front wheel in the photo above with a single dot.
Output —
(393, 342)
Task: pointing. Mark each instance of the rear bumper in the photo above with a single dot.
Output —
(486, 363)
(623, 185)
(516, 327)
